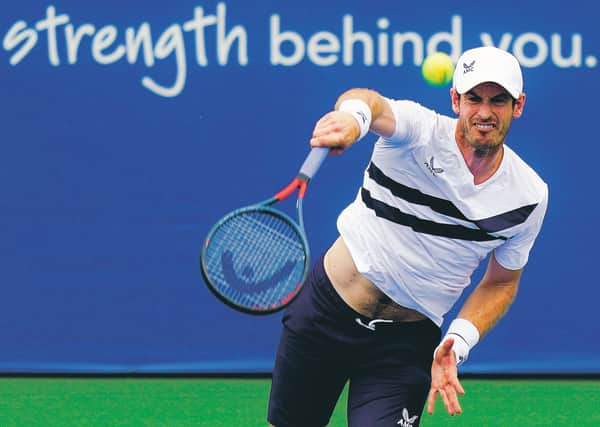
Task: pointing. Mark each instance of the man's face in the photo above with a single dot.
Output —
(484, 115)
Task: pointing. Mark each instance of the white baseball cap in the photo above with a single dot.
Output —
(488, 64)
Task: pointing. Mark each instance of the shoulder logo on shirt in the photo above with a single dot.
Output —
(406, 420)
(468, 68)
(432, 167)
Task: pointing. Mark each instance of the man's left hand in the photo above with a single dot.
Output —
(444, 379)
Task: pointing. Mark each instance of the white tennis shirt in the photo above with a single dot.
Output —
(419, 226)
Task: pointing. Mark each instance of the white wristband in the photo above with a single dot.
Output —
(361, 113)
(465, 336)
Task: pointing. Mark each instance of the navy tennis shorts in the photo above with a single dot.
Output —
(325, 343)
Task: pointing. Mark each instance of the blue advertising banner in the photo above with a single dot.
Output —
(129, 128)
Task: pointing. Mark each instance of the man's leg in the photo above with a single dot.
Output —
(390, 385)
(310, 370)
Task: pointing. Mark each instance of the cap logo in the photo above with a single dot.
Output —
(468, 68)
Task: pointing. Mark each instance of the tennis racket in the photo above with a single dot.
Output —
(255, 259)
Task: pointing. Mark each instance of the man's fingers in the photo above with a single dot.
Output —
(458, 387)
(453, 402)
(445, 379)
(335, 124)
(450, 400)
(331, 135)
(449, 397)
(431, 400)
(451, 374)
(322, 130)
(445, 401)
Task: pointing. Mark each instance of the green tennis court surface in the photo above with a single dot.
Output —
(89, 402)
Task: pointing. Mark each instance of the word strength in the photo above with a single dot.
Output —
(209, 39)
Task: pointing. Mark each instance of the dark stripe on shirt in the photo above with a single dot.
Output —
(445, 207)
(453, 231)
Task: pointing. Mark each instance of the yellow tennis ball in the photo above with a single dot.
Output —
(437, 69)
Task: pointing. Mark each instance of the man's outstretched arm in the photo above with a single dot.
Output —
(485, 306)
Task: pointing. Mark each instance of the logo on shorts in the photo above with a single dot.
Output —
(372, 323)
(406, 420)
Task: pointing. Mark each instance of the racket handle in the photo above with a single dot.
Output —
(313, 162)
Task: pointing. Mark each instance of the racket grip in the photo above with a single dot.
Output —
(313, 162)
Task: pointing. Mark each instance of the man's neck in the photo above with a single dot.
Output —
(482, 163)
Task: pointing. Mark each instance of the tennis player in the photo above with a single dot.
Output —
(438, 196)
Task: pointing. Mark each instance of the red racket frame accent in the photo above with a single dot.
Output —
(296, 183)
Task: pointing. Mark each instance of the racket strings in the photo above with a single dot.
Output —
(256, 259)
(246, 234)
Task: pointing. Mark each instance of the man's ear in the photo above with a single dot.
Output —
(455, 97)
(519, 105)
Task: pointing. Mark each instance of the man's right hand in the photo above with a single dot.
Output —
(337, 130)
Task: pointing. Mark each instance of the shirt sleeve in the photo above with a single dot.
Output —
(514, 253)
(413, 122)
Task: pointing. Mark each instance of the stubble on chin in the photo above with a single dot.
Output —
(481, 148)
(484, 149)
